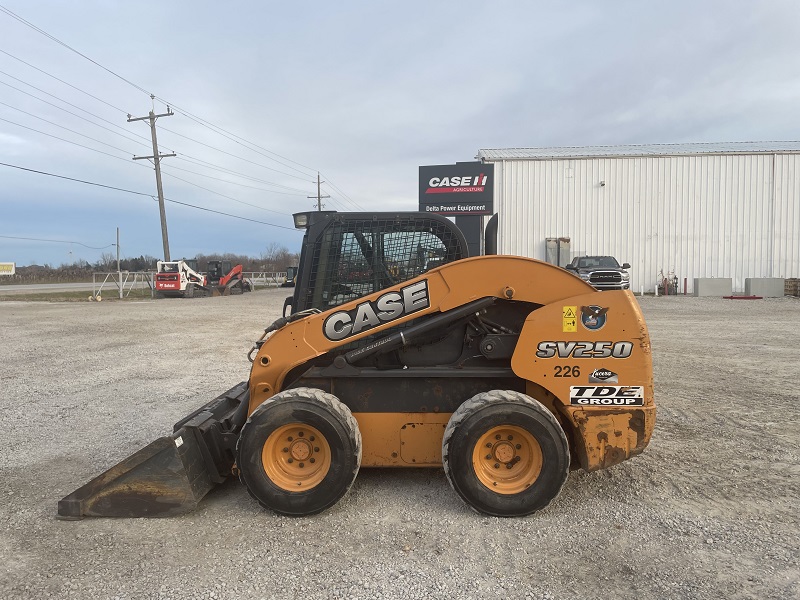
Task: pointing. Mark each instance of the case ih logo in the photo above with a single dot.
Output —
(459, 189)
(450, 185)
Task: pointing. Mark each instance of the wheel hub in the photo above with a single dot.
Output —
(507, 459)
(301, 450)
(296, 457)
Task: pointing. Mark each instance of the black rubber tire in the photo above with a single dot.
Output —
(490, 409)
(331, 418)
(189, 292)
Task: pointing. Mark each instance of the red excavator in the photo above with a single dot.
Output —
(224, 280)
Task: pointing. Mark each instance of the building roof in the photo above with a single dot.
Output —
(492, 154)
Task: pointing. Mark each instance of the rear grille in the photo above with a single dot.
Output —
(606, 277)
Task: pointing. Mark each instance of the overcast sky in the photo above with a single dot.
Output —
(266, 94)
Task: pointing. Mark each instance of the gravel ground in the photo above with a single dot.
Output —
(708, 511)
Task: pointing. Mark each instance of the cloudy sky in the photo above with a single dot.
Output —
(266, 94)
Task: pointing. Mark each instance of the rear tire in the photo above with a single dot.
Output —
(299, 452)
(505, 454)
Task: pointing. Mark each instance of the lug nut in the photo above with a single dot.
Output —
(316, 448)
(488, 445)
(312, 460)
(496, 466)
(285, 449)
(290, 438)
(497, 437)
(291, 460)
(488, 456)
(518, 446)
(301, 465)
(511, 437)
(301, 435)
(508, 466)
(311, 438)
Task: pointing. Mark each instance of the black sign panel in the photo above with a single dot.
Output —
(459, 189)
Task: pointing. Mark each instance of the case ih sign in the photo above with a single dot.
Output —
(459, 189)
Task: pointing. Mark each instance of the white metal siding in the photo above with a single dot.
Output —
(725, 215)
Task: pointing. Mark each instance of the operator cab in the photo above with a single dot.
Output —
(349, 255)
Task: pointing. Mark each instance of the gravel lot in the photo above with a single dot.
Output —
(710, 510)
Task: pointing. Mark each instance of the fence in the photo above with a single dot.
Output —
(122, 283)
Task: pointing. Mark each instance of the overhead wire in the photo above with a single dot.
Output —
(144, 194)
(123, 111)
(252, 187)
(219, 130)
(62, 127)
(72, 113)
(64, 140)
(231, 154)
(16, 237)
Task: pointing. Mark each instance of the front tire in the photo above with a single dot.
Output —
(299, 452)
(505, 454)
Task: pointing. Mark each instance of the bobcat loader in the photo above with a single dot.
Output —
(401, 351)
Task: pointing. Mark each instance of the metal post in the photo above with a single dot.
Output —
(119, 271)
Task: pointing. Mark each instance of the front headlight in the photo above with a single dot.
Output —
(584, 276)
(626, 276)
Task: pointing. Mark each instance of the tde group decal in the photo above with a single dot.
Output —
(459, 189)
(606, 395)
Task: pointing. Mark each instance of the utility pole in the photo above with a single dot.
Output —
(157, 161)
(319, 195)
(119, 271)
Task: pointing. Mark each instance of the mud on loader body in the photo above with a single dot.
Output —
(402, 352)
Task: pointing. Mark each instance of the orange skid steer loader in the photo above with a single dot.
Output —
(400, 351)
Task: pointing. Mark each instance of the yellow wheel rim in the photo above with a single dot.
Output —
(296, 457)
(507, 459)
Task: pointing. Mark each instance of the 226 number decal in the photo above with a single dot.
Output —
(567, 371)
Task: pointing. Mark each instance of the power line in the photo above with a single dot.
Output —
(67, 128)
(252, 187)
(230, 154)
(70, 104)
(144, 194)
(225, 196)
(64, 140)
(215, 128)
(68, 47)
(202, 163)
(62, 81)
(15, 237)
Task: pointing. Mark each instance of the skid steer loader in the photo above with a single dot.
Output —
(401, 351)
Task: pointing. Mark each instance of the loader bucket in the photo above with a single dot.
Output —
(165, 478)
(172, 474)
(216, 292)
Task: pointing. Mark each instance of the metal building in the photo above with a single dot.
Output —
(692, 210)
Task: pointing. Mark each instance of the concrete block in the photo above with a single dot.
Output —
(717, 286)
(768, 287)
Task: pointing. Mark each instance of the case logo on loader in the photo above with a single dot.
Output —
(606, 395)
(368, 314)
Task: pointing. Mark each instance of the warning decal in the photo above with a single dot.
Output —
(570, 319)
